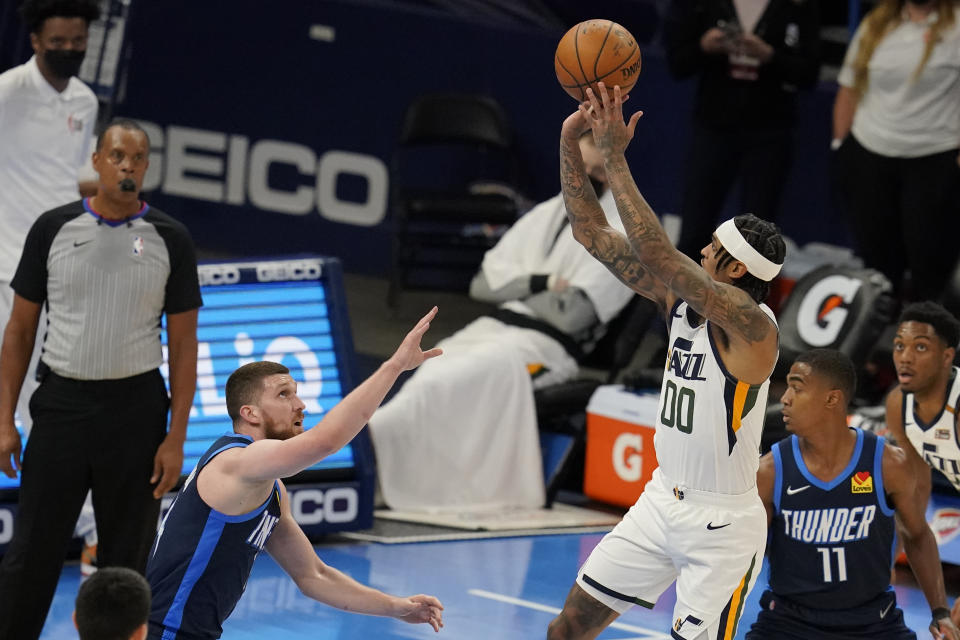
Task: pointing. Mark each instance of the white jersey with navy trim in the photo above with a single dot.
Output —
(709, 423)
(937, 441)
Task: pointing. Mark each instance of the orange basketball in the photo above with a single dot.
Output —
(594, 51)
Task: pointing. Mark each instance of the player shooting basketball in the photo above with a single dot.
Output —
(700, 512)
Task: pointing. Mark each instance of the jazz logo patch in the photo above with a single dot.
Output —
(861, 482)
(682, 621)
(137, 246)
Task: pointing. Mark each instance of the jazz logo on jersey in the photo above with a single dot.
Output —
(684, 364)
(260, 534)
(945, 524)
(681, 621)
(137, 246)
(861, 482)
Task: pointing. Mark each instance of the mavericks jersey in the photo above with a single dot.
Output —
(937, 442)
(201, 558)
(831, 543)
(708, 428)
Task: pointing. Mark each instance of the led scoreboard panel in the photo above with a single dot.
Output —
(281, 311)
(291, 311)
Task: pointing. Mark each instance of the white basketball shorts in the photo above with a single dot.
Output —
(711, 544)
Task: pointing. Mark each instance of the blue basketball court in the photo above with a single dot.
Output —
(501, 588)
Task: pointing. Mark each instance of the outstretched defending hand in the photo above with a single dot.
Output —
(421, 608)
(409, 355)
(610, 133)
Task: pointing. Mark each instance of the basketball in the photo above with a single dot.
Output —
(595, 51)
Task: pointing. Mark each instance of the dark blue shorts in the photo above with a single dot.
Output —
(878, 619)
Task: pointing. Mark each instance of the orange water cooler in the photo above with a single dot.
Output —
(620, 457)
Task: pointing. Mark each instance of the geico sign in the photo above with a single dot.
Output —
(628, 456)
(222, 167)
(289, 270)
(313, 506)
(6, 526)
(824, 309)
(218, 274)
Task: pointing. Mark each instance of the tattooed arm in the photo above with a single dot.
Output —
(752, 349)
(589, 222)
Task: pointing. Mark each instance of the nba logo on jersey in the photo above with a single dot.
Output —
(258, 537)
(137, 246)
(861, 482)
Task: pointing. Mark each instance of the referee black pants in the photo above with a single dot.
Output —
(760, 159)
(904, 214)
(96, 435)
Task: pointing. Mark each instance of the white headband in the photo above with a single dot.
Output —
(737, 246)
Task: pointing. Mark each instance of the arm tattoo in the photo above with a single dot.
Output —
(591, 229)
(729, 307)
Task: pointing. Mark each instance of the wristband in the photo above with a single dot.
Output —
(836, 143)
(938, 613)
(539, 283)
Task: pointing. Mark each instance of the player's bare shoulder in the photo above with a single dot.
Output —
(766, 477)
(897, 472)
(894, 402)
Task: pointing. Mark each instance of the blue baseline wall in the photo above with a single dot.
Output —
(297, 109)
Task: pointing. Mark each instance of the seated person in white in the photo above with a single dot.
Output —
(462, 432)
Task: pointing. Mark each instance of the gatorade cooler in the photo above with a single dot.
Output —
(620, 458)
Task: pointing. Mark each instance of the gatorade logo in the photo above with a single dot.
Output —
(945, 525)
(825, 308)
(861, 482)
(628, 456)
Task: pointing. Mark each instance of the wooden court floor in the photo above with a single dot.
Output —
(501, 589)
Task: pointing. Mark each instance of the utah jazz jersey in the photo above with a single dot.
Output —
(201, 558)
(708, 427)
(831, 543)
(937, 442)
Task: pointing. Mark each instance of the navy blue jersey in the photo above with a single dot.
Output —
(201, 558)
(831, 543)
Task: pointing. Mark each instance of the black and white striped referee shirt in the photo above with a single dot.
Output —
(106, 284)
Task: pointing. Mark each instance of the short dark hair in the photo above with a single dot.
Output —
(835, 366)
(766, 239)
(112, 604)
(245, 385)
(944, 324)
(123, 123)
(36, 12)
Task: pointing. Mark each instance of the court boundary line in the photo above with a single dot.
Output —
(529, 604)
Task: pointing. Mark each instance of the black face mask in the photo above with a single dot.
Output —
(63, 63)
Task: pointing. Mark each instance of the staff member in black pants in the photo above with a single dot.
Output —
(107, 268)
(896, 128)
(750, 57)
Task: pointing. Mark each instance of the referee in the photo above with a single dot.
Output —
(106, 268)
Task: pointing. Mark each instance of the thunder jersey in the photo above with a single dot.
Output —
(201, 558)
(708, 428)
(937, 442)
(831, 543)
